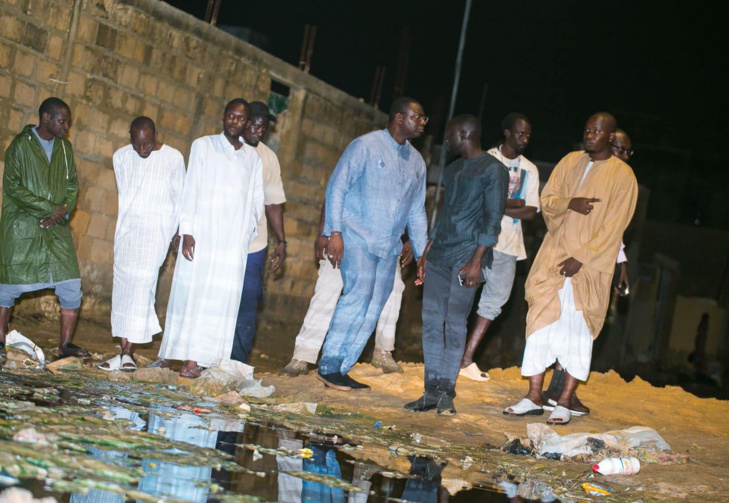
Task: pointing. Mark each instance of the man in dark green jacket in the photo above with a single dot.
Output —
(39, 193)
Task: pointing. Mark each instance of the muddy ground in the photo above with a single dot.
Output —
(696, 429)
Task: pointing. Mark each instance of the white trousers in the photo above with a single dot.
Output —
(568, 340)
(327, 291)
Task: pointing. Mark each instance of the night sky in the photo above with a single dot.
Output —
(658, 66)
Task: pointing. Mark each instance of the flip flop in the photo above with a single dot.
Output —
(524, 408)
(559, 416)
(474, 373)
(192, 373)
(113, 364)
(551, 404)
(127, 364)
(75, 351)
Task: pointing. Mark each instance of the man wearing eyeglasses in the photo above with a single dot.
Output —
(375, 191)
(587, 205)
(622, 148)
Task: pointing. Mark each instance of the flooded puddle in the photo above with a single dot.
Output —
(87, 440)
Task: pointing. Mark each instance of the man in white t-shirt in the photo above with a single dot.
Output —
(523, 204)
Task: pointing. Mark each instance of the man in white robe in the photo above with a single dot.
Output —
(149, 177)
(221, 204)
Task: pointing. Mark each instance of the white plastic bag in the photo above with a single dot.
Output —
(18, 341)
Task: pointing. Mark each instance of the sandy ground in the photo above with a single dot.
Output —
(697, 429)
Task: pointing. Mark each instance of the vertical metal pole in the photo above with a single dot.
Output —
(454, 94)
(310, 48)
(216, 9)
(302, 55)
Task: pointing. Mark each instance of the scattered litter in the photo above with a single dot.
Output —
(516, 446)
(257, 455)
(15, 339)
(296, 408)
(245, 407)
(415, 437)
(474, 434)
(584, 446)
(194, 410)
(230, 398)
(596, 490)
(378, 425)
(467, 462)
(617, 466)
(229, 375)
(305, 453)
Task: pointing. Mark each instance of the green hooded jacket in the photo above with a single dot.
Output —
(32, 188)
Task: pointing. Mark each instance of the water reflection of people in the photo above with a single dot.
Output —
(424, 483)
(172, 480)
(98, 495)
(323, 461)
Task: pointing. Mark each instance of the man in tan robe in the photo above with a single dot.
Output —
(587, 204)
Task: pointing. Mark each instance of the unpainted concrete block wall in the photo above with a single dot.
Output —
(112, 60)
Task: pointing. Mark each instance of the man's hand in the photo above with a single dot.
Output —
(335, 250)
(320, 247)
(188, 247)
(623, 284)
(58, 215)
(420, 279)
(569, 267)
(279, 255)
(473, 273)
(175, 244)
(582, 205)
(515, 203)
(406, 255)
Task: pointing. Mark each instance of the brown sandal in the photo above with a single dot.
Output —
(191, 373)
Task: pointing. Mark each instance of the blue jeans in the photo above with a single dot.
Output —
(245, 327)
(446, 306)
(368, 281)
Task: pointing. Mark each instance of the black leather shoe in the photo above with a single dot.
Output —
(335, 380)
(445, 405)
(426, 402)
(355, 385)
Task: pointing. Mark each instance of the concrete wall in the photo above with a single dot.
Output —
(113, 60)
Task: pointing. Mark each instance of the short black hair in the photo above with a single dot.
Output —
(470, 123)
(141, 123)
(51, 106)
(237, 101)
(400, 105)
(509, 122)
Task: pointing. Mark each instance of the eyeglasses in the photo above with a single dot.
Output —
(418, 118)
(623, 150)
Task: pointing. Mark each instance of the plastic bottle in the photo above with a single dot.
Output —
(617, 466)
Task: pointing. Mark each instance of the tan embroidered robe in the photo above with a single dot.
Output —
(593, 239)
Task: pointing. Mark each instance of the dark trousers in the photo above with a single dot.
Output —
(245, 327)
(446, 305)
